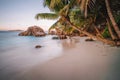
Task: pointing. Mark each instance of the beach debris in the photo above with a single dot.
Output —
(38, 46)
(33, 31)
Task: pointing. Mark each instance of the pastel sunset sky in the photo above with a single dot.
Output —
(20, 14)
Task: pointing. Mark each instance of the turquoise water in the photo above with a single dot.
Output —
(12, 44)
(18, 53)
(10, 40)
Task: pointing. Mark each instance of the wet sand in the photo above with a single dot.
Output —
(78, 60)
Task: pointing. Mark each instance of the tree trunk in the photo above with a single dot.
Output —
(115, 26)
(90, 35)
(99, 34)
(96, 37)
(111, 31)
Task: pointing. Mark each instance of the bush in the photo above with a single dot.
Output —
(106, 33)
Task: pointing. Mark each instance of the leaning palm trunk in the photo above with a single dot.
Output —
(106, 41)
(98, 32)
(115, 26)
(111, 31)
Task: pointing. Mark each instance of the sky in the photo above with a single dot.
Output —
(20, 14)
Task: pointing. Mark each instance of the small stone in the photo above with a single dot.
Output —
(89, 39)
(55, 37)
(38, 46)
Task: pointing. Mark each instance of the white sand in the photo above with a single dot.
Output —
(80, 60)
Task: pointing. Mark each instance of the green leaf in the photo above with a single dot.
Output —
(46, 16)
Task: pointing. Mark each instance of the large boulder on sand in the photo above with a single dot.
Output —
(33, 31)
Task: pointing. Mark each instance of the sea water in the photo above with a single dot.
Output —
(18, 53)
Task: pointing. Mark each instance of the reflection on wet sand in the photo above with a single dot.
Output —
(68, 43)
(71, 43)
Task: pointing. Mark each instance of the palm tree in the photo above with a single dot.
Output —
(113, 36)
(61, 8)
(115, 26)
(84, 4)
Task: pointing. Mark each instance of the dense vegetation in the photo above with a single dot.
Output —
(98, 19)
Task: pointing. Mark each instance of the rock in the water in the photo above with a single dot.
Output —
(60, 37)
(55, 37)
(33, 31)
(38, 46)
(89, 39)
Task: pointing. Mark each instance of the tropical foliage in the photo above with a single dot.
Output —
(95, 18)
(46, 15)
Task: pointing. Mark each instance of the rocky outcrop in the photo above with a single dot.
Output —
(52, 32)
(33, 31)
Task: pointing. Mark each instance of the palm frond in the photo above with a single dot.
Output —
(54, 3)
(64, 11)
(46, 16)
(84, 4)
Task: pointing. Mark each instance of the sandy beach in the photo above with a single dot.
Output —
(84, 61)
(77, 60)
